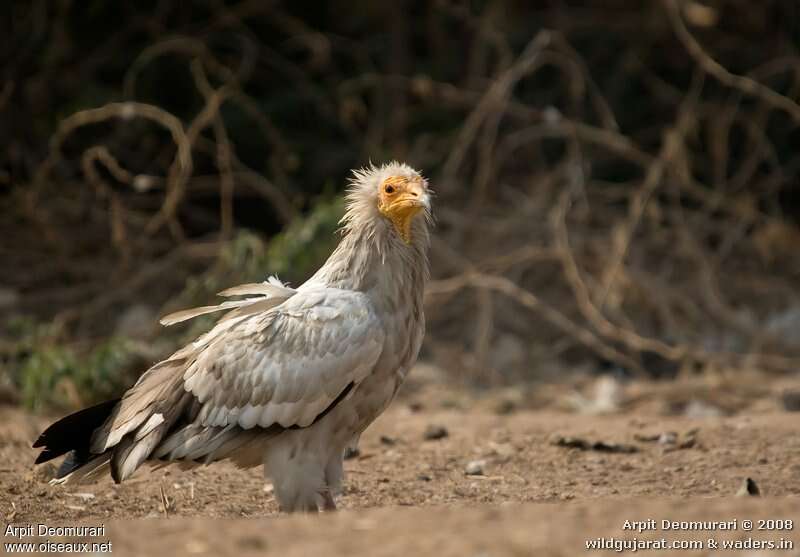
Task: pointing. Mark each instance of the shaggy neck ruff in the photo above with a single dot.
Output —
(372, 258)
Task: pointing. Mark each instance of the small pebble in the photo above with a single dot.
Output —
(668, 438)
(475, 468)
(82, 496)
(505, 407)
(749, 489)
(791, 400)
(386, 440)
(701, 410)
(433, 432)
(253, 543)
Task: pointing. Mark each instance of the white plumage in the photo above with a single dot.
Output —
(288, 365)
(287, 377)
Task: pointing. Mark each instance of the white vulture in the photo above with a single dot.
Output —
(287, 378)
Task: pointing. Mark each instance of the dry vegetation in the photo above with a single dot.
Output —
(616, 185)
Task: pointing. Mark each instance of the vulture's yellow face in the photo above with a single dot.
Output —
(400, 199)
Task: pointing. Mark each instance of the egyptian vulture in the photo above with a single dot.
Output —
(288, 378)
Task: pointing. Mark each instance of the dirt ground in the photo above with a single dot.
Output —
(546, 478)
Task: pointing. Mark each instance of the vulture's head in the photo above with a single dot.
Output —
(392, 199)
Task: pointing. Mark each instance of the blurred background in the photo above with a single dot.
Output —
(617, 181)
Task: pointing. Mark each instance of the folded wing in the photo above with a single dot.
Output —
(287, 366)
(254, 373)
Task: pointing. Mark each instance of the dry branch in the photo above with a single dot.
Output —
(742, 83)
(584, 193)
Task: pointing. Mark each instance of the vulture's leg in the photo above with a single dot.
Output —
(334, 470)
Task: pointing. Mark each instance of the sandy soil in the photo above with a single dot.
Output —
(549, 480)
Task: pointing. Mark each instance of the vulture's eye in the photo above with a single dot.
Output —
(389, 189)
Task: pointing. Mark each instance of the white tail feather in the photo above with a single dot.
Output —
(271, 289)
(86, 473)
(258, 289)
(186, 314)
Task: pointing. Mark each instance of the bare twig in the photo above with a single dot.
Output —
(532, 302)
(745, 84)
(673, 146)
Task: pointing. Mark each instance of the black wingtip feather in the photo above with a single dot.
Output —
(73, 432)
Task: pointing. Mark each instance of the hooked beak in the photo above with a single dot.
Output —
(405, 207)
